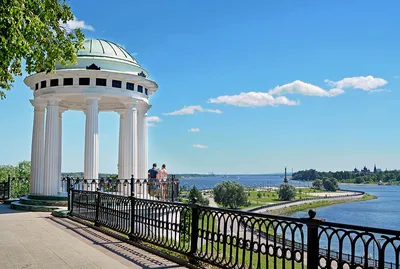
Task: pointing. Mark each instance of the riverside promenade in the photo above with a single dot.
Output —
(33, 240)
(347, 195)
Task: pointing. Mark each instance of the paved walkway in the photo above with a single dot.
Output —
(36, 240)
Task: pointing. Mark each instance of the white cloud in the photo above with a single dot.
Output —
(364, 83)
(77, 24)
(194, 130)
(378, 90)
(190, 110)
(303, 88)
(199, 146)
(253, 99)
(151, 121)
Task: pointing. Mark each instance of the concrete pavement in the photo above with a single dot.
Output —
(31, 240)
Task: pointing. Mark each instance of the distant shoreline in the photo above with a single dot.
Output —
(317, 204)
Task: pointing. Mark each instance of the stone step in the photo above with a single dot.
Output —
(37, 208)
(9, 201)
(29, 201)
(61, 213)
(46, 197)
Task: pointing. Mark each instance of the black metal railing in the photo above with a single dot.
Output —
(324, 251)
(238, 239)
(168, 190)
(153, 189)
(13, 188)
(5, 189)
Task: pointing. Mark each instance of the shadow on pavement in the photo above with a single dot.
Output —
(5, 209)
(130, 253)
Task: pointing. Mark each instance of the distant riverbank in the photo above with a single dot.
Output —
(316, 204)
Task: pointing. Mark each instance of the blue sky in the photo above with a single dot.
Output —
(307, 84)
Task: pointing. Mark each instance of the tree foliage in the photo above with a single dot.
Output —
(230, 194)
(21, 170)
(317, 184)
(330, 184)
(287, 192)
(35, 31)
(355, 176)
(195, 193)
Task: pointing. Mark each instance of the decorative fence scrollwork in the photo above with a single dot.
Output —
(239, 239)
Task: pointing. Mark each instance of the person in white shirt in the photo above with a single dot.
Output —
(163, 175)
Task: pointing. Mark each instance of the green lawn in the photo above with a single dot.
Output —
(272, 196)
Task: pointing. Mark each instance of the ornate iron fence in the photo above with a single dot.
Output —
(143, 188)
(238, 239)
(14, 188)
(5, 189)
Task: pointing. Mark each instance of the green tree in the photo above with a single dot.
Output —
(259, 195)
(230, 194)
(287, 192)
(35, 31)
(317, 184)
(5, 171)
(23, 169)
(330, 184)
(359, 180)
(195, 193)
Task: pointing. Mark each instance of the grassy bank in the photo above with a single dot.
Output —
(303, 207)
(262, 197)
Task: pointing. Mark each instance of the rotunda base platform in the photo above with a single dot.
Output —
(40, 203)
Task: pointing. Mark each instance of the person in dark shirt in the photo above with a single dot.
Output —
(153, 182)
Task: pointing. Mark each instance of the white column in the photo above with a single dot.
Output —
(37, 151)
(60, 187)
(131, 141)
(124, 150)
(51, 159)
(142, 140)
(91, 166)
(121, 148)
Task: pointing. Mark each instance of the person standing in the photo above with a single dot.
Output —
(163, 180)
(153, 175)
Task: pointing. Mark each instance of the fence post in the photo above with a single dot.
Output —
(69, 193)
(132, 185)
(96, 221)
(71, 200)
(133, 214)
(312, 239)
(9, 187)
(172, 188)
(194, 231)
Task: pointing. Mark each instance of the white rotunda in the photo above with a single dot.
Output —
(106, 78)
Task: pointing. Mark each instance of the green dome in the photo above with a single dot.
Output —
(105, 49)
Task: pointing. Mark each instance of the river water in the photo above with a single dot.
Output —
(383, 212)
